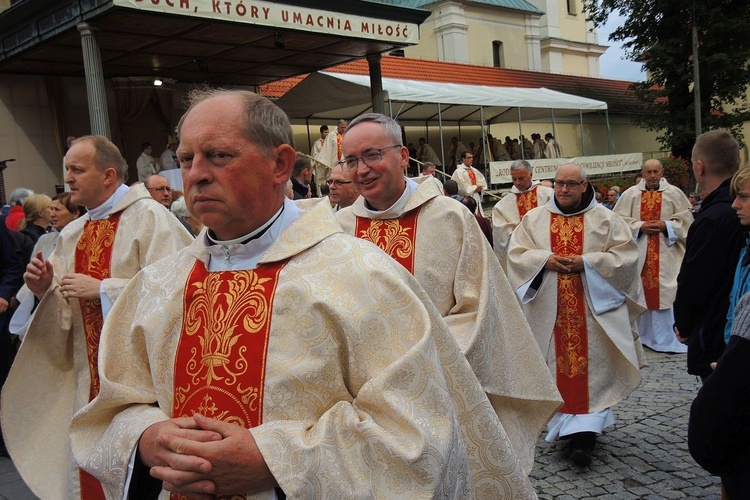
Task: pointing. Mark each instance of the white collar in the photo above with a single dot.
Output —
(397, 208)
(104, 210)
(234, 255)
(515, 190)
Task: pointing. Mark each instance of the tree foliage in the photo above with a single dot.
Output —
(659, 34)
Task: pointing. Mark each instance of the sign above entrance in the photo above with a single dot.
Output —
(275, 15)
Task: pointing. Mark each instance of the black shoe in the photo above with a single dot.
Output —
(581, 447)
(580, 456)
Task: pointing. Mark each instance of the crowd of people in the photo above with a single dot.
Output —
(384, 340)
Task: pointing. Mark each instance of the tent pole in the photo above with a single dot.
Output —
(309, 144)
(583, 148)
(520, 132)
(484, 145)
(554, 130)
(610, 144)
(442, 145)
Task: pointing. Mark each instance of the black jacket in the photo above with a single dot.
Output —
(711, 252)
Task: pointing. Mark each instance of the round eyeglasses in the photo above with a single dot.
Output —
(371, 158)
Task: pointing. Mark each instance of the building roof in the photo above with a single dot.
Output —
(521, 5)
(614, 92)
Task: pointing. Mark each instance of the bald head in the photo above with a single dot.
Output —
(652, 172)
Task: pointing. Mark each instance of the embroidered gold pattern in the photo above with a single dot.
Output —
(526, 201)
(396, 237)
(651, 210)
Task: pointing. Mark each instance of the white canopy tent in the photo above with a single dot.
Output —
(331, 96)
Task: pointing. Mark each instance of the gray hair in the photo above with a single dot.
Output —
(19, 195)
(390, 126)
(519, 164)
(265, 124)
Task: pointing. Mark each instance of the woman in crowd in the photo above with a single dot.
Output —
(63, 213)
(36, 219)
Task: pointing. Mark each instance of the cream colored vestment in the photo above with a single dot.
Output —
(455, 265)
(50, 380)
(614, 352)
(366, 394)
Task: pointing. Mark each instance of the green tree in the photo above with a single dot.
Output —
(659, 33)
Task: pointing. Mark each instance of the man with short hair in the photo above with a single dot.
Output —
(470, 181)
(425, 153)
(499, 153)
(658, 214)
(428, 169)
(454, 153)
(712, 249)
(507, 213)
(284, 354)
(440, 243)
(168, 159)
(611, 200)
(146, 164)
(318, 144)
(330, 154)
(571, 263)
(341, 190)
(552, 149)
(302, 176)
(56, 370)
(159, 189)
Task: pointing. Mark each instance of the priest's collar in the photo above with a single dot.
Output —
(515, 190)
(105, 209)
(644, 187)
(244, 252)
(397, 208)
(588, 201)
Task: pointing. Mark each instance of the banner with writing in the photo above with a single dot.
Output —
(278, 15)
(594, 165)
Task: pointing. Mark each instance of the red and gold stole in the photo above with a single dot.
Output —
(526, 201)
(651, 210)
(396, 237)
(93, 257)
(472, 176)
(220, 365)
(570, 332)
(339, 142)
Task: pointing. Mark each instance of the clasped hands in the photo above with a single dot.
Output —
(653, 227)
(564, 264)
(201, 457)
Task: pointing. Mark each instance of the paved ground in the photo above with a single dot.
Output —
(644, 456)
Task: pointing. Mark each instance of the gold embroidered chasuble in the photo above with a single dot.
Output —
(93, 257)
(51, 378)
(508, 212)
(353, 342)
(456, 266)
(612, 354)
(651, 210)
(394, 236)
(674, 208)
(220, 366)
(571, 335)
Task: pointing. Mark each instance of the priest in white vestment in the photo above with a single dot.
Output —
(277, 354)
(470, 181)
(329, 154)
(572, 263)
(441, 244)
(525, 194)
(55, 372)
(659, 217)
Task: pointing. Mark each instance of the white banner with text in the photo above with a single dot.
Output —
(594, 165)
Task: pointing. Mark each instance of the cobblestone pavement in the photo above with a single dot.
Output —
(644, 456)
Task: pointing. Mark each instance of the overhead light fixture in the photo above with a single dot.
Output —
(158, 82)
